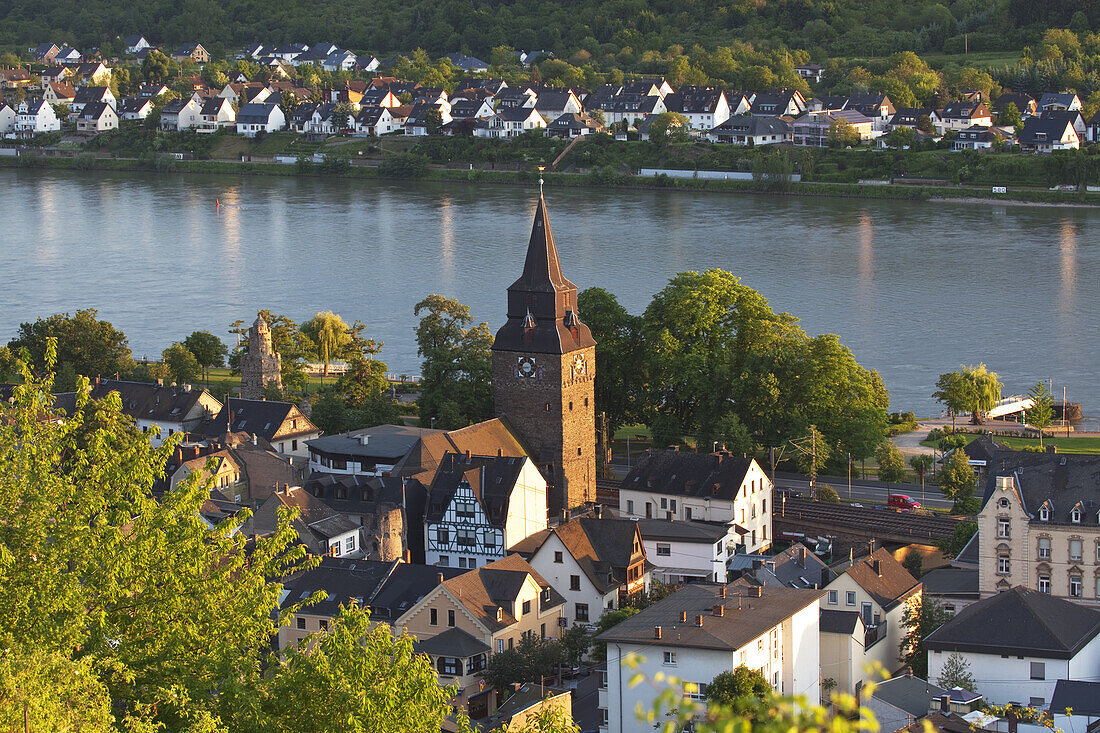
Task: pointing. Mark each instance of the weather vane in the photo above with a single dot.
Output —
(541, 169)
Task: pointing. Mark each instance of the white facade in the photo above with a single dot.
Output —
(584, 603)
(7, 119)
(844, 594)
(188, 117)
(751, 509)
(679, 560)
(34, 118)
(106, 120)
(275, 121)
(466, 538)
(383, 125)
(786, 654)
(1010, 678)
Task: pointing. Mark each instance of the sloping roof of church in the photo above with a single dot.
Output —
(542, 269)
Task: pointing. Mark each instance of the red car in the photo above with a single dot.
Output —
(902, 503)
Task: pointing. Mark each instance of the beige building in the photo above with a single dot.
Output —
(1040, 526)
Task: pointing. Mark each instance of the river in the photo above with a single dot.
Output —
(914, 289)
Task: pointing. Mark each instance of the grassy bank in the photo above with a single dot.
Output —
(601, 178)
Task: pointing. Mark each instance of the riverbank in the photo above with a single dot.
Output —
(596, 179)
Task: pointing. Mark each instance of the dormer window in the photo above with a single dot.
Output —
(1075, 515)
(1044, 513)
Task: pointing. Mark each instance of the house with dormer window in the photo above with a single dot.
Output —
(480, 505)
(1040, 525)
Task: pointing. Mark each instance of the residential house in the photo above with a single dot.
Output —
(1073, 116)
(573, 124)
(283, 424)
(340, 61)
(59, 74)
(795, 567)
(379, 98)
(321, 529)
(367, 63)
(134, 108)
(136, 43)
(811, 72)
(490, 84)
(876, 107)
(468, 109)
(172, 409)
(955, 588)
(227, 475)
(252, 470)
(912, 117)
(812, 129)
(97, 117)
(151, 91)
(180, 114)
(1025, 103)
(597, 563)
(45, 53)
(511, 122)
(652, 87)
(59, 93)
(746, 129)
(485, 610)
(67, 55)
(684, 552)
(257, 118)
(468, 64)
(903, 700)
(389, 511)
(419, 120)
(513, 97)
(366, 452)
(480, 505)
(1075, 706)
(704, 107)
(553, 102)
(785, 102)
(388, 589)
(877, 590)
(1019, 643)
(35, 116)
(961, 115)
(7, 119)
(237, 93)
(90, 73)
(619, 105)
(976, 137)
(703, 630)
(191, 52)
(375, 120)
(527, 703)
(216, 113)
(1063, 100)
(88, 95)
(716, 487)
(1039, 525)
(740, 102)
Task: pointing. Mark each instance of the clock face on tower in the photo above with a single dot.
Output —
(579, 367)
(526, 368)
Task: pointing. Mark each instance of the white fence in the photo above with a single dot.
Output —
(706, 175)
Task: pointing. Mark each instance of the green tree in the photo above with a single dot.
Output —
(575, 641)
(208, 349)
(740, 693)
(532, 659)
(433, 121)
(457, 362)
(606, 621)
(8, 364)
(1041, 414)
(50, 691)
(154, 67)
(91, 347)
(668, 127)
(182, 365)
(924, 124)
(891, 466)
(922, 616)
(331, 336)
(913, 563)
(842, 134)
(813, 453)
(957, 482)
(963, 533)
(826, 493)
(901, 138)
(956, 673)
(287, 339)
(971, 388)
(1009, 116)
(772, 170)
(620, 363)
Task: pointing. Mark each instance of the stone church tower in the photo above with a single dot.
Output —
(544, 364)
(261, 364)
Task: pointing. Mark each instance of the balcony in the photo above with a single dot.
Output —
(874, 634)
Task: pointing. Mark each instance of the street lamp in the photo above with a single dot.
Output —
(433, 423)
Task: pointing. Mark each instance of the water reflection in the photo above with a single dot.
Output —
(866, 250)
(1067, 249)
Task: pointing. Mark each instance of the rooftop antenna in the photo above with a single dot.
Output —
(541, 169)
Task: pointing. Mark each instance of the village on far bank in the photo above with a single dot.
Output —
(60, 100)
(537, 571)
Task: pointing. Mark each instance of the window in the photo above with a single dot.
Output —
(433, 617)
(1044, 584)
(462, 562)
(334, 549)
(349, 544)
(500, 645)
(695, 690)
(464, 509)
(466, 537)
(850, 598)
(832, 597)
(444, 561)
(322, 624)
(574, 582)
(1075, 586)
(444, 536)
(450, 617)
(1036, 702)
(1075, 550)
(1075, 515)
(1044, 513)
(670, 659)
(448, 665)
(557, 556)
(664, 503)
(1098, 552)
(1003, 566)
(1044, 548)
(764, 507)
(672, 506)
(687, 513)
(664, 549)
(301, 623)
(629, 506)
(294, 445)
(527, 607)
(490, 540)
(582, 612)
(1002, 528)
(1038, 670)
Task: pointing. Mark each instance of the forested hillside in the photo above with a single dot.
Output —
(629, 27)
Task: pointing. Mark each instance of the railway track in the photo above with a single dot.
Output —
(881, 523)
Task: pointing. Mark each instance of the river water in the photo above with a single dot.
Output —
(914, 289)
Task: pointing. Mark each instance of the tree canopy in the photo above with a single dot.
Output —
(87, 345)
(972, 389)
(457, 365)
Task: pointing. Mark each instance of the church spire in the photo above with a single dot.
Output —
(542, 269)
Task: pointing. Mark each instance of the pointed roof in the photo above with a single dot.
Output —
(542, 269)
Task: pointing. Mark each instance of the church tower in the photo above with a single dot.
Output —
(544, 365)
(262, 364)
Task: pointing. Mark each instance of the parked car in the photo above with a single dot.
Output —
(902, 503)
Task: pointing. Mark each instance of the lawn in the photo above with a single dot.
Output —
(1071, 444)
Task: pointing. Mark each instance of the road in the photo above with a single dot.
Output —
(863, 492)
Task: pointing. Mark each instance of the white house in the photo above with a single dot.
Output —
(749, 129)
(704, 107)
(480, 505)
(861, 624)
(181, 114)
(1045, 135)
(175, 409)
(7, 119)
(1019, 643)
(97, 117)
(703, 630)
(714, 487)
(136, 43)
(87, 95)
(596, 563)
(135, 108)
(34, 117)
(339, 61)
(512, 122)
(683, 552)
(375, 120)
(259, 117)
(367, 452)
(216, 113)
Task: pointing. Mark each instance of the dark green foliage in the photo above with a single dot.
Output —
(921, 617)
(605, 622)
(741, 692)
(404, 165)
(456, 367)
(531, 660)
(208, 349)
(89, 346)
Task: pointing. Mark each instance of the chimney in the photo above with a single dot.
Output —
(719, 610)
(683, 617)
(945, 703)
(597, 511)
(467, 455)
(699, 620)
(756, 591)
(722, 592)
(802, 555)
(255, 440)
(439, 579)
(564, 516)
(364, 439)
(824, 577)
(876, 565)
(656, 632)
